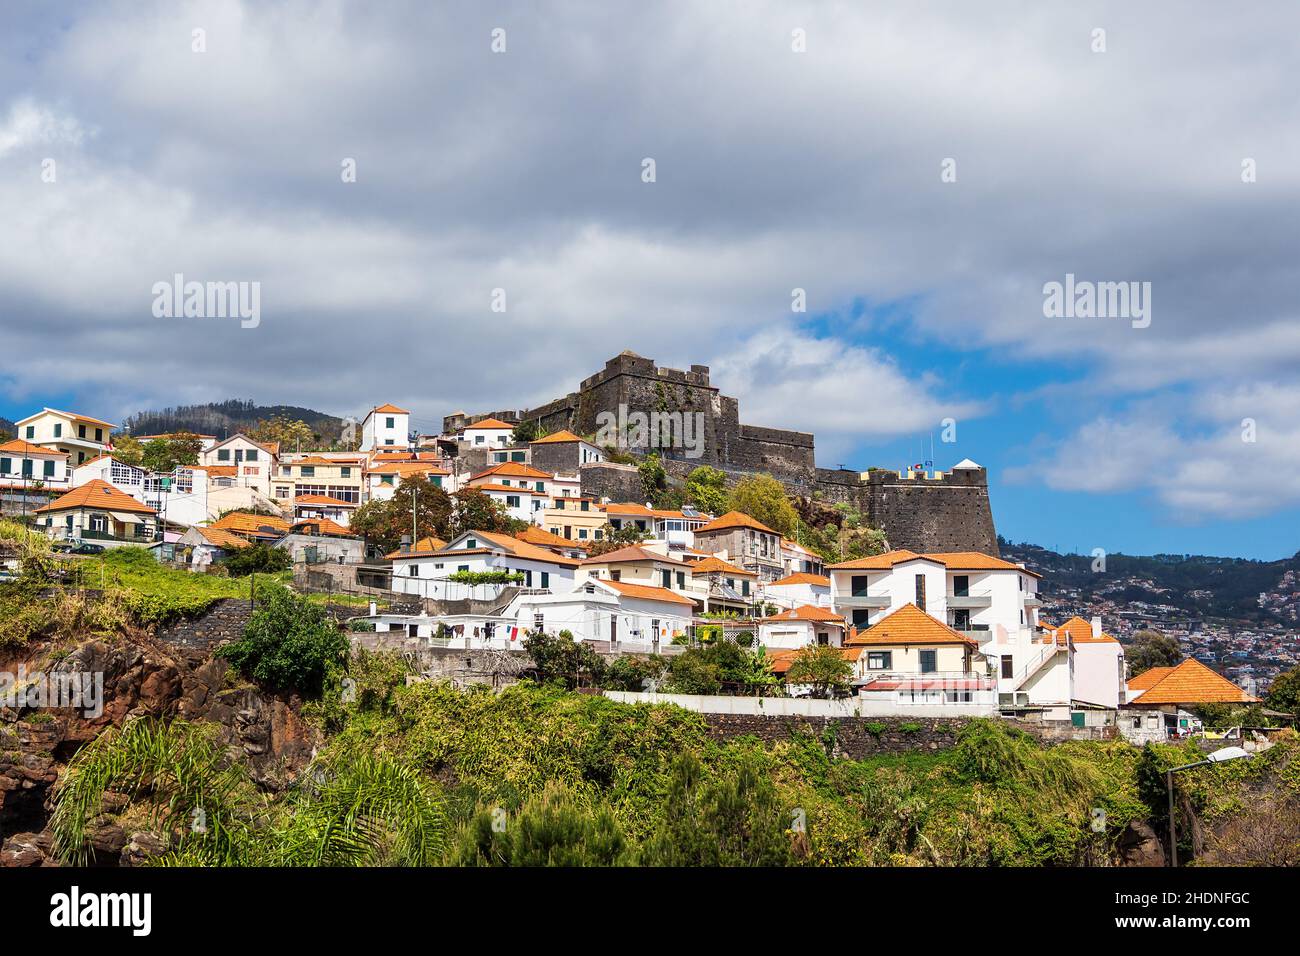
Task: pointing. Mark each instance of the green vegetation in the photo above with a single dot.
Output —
(535, 775)
(1151, 649)
(486, 577)
(822, 666)
(257, 558)
(290, 644)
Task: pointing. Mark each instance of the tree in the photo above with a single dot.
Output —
(165, 454)
(292, 433)
(288, 645)
(1284, 693)
(473, 510)
(704, 670)
(763, 497)
(128, 450)
(735, 819)
(558, 658)
(706, 489)
(383, 522)
(822, 666)
(1151, 649)
(612, 539)
(654, 479)
(257, 558)
(527, 431)
(555, 828)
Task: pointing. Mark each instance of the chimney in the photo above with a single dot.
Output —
(406, 544)
(1096, 627)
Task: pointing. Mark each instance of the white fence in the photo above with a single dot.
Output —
(803, 707)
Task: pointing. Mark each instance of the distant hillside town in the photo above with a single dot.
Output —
(637, 516)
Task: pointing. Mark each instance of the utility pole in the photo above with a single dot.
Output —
(415, 535)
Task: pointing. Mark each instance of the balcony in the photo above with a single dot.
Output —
(862, 600)
(969, 600)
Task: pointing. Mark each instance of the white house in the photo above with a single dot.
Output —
(799, 559)
(617, 615)
(801, 626)
(989, 600)
(80, 437)
(180, 497)
(426, 573)
(24, 465)
(521, 504)
(254, 462)
(1099, 668)
(99, 513)
(383, 478)
(488, 433)
(798, 588)
(386, 425)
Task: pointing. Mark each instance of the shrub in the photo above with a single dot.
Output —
(288, 644)
(259, 558)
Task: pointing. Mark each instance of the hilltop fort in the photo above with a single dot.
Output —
(924, 511)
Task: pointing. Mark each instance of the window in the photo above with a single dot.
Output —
(98, 523)
(744, 588)
(515, 456)
(462, 567)
(528, 579)
(282, 491)
(512, 501)
(929, 662)
(388, 422)
(58, 429)
(437, 481)
(413, 570)
(1008, 667)
(546, 579)
(6, 465)
(388, 441)
(666, 578)
(478, 439)
(308, 471)
(99, 434)
(920, 591)
(31, 431)
(584, 506)
(27, 467)
(223, 454)
(681, 579)
(961, 585)
(582, 533)
(880, 660)
(81, 431)
(471, 543)
(858, 585)
(615, 575)
(541, 486)
(386, 479)
(49, 469)
(250, 455)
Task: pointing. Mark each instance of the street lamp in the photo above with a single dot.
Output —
(1219, 756)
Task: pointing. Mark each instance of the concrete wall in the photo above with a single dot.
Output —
(799, 707)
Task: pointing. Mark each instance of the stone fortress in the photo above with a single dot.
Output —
(920, 511)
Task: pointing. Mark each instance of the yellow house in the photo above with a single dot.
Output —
(316, 476)
(80, 437)
(643, 566)
(577, 519)
(911, 643)
(100, 513)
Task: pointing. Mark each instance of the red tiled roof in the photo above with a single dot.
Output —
(734, 519)
(803, 577)
(97, 494)
(909, 625)
(648, 592)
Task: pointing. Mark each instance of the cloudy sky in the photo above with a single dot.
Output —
(127, 156)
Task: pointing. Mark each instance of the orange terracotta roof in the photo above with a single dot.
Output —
(324, 526)
(490, 423)
(1080, 631)
(97, 494)
(513, 469)
(808, 612)
(734, 519)
(787, 543)
(407, 468)
(222, 538)
(628, 508)
(72, 415)
(803, 577)
(508, 489)
(423, 546)
(545, 539)
(555, 438)
(243, 522)
(216, 471)
(1191, 682)
(19, 447)
(1148, 678)
(648, 592)
(318, 460)
(712, 565)
(782, 658)
(952, 560)
(522, 549)
(390, 410)
(909, 625)
(322, 500)
(631, 553)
